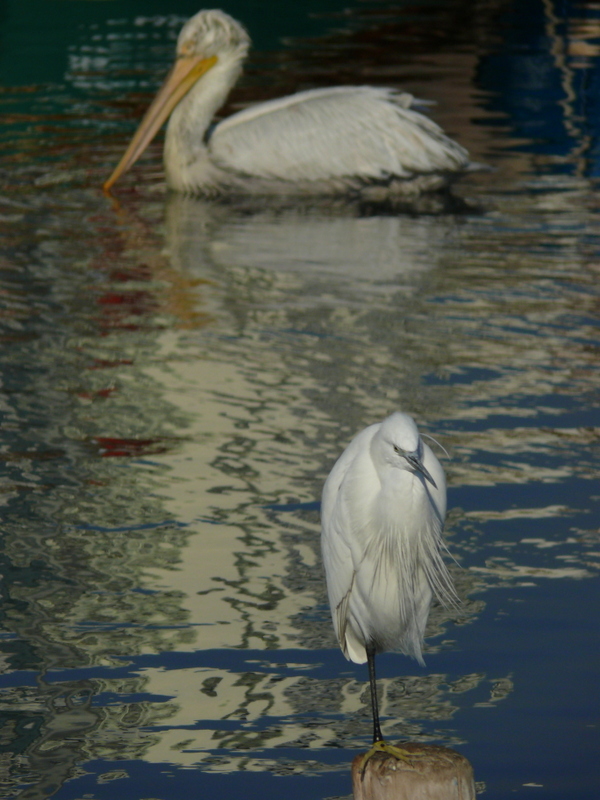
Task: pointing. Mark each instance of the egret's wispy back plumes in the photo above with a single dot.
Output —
(382, 513)
(321, 141)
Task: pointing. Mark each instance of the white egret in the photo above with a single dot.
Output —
(338, 140)
(382, 516)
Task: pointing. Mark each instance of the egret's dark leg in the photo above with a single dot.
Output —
(377, 737)
(379, 746)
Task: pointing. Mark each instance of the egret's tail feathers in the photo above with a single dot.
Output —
(353, 649)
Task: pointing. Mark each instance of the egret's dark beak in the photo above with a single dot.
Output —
(418, 466)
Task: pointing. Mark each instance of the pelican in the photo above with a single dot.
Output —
(339, 140)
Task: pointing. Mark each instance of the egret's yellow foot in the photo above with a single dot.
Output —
(383, 747)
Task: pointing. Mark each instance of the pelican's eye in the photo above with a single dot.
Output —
(398, 450)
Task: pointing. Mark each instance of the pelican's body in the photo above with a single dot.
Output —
(322, 141)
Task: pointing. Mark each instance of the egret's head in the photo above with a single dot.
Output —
(212, 33)
(403, 446)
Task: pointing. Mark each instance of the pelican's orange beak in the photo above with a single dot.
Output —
(186, 71)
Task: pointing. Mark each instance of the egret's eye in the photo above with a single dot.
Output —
(397, 449)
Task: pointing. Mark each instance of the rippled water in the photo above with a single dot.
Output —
(178, 378)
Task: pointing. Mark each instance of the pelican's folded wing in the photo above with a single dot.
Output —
(346, 131)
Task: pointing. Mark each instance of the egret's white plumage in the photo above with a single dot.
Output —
(383, 512)
(327, 141)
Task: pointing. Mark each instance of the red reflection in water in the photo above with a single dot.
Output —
(101, 363)
(119, 307)
(99, 393)
(127, 448)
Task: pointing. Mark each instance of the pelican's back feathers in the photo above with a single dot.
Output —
(345, 132)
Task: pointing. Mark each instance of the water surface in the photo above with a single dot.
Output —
(178, 378)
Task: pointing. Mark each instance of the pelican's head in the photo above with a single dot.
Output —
(207, 39)
(212, 33)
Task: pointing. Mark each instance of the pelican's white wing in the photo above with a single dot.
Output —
(362, 132)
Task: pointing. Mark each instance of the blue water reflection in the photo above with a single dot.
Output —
(545, 82)
(178, 377)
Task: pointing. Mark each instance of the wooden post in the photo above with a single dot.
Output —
(433, 773)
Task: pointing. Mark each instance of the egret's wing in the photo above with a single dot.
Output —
(340, 555)
(340, 572)
(359, 131)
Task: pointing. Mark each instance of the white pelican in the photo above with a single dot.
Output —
(339, 140)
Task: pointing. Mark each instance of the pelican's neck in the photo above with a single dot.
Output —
(184, 141)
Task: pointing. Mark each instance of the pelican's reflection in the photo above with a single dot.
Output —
(313, 239)
(210, 545)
